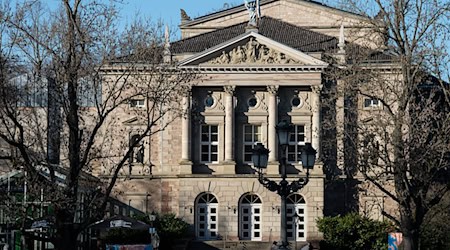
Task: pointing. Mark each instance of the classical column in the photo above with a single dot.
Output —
(186, 135)
(272, 122)
(229, 125)
(316, 107)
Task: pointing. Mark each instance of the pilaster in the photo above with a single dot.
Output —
(272, 167)
(316, 119)
(229, 163)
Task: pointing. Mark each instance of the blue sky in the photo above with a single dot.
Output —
(166, 10)
(169, 10)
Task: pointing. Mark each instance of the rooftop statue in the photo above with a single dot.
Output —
(252, 12)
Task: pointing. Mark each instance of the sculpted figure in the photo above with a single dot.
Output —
(224, 59)
(237, 56)
(251, 7)
(250, 50)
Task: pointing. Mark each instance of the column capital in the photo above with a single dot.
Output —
(229, 89)
(316, 88)
(272, 89)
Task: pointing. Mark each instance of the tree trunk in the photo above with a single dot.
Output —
(67, 237)
(411, 231)
(66, 230)
(411, 240)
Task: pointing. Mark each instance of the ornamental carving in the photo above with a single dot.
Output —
(253, 52)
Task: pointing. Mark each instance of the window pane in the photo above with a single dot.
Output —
(205, 148)
(214, 157)
(292, 137)
(214, 129)
(214, 138)
(205, 138)
(205, 157)
(248, 138)
(247, 129)
(205, 129)
(213, 148)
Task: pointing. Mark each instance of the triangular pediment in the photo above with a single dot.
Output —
(251, 49)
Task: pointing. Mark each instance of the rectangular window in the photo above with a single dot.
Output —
(371, 103)
(296, 144)
(209, 144)
(137, 103)
(252, 135)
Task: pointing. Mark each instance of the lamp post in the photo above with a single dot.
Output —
(283, 188)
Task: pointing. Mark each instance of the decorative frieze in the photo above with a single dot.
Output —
(253, 53)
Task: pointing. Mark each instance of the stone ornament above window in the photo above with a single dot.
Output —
(253, 53)
(297, 102)
(209, 101)
(252, 102)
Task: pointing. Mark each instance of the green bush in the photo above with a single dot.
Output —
(169, 228)
(353, 231)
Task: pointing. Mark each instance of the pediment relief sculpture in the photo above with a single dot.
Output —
(253, 53)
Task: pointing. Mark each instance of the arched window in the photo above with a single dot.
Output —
(206, 216)
(296, 217)
(250, 214)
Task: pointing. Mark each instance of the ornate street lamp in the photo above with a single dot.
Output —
(283, 188)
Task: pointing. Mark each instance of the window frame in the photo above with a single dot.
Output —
(137, 106)
(296, 143)
(372, 104)
(209, 143)
(253, 142)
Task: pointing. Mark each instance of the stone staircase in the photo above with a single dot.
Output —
(235, 245)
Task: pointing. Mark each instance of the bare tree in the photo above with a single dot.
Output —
(91, 71)
(395, 106)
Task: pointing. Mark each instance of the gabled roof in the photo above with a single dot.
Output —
(290, 35)
(282, 32)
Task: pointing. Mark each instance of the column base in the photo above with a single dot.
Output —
(185, 167)
(273, 168)
(228, 167)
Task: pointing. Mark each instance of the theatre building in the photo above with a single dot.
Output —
(255, 72)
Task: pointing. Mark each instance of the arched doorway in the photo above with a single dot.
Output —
(296, 217)
(250, 214)
(206, 216)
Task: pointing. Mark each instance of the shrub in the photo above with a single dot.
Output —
(354, 231)
(169, 228)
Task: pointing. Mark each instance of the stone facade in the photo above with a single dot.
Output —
(199, 167)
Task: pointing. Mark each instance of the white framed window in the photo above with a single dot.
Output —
(207, 217)
(296, 144)
(296, 218)
(209, 144)
(250, 217)
(252, 135)
(371, 103)
(137, 103)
